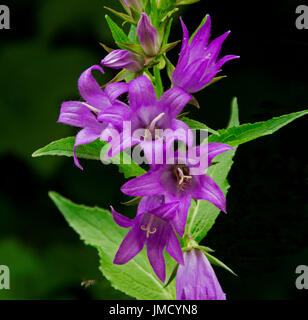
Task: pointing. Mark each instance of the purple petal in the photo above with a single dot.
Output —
(91, 91)
(76, 114)
(174, 247)
(148, 36)
(175, 99)
(147, 204)
(215, 46)
(121, 220)
(167, 211)
(123, 59)
(209, 190)
(85, 136)
(141, 93)
(114, 90)
(180, 131)
(145, 185)
(155, 249)
(180, 218)
(114, 115)
(204, 154)
(184, 57)
(131, 245)
(199, 42)
(225, 59)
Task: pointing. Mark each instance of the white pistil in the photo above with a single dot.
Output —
(182, 176)
(151, 128)
(91, 108)
(148, 227)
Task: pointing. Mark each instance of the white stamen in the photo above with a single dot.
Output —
(91, 108)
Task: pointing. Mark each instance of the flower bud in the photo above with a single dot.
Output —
(123, 59)
(135, 4)
(148, 36)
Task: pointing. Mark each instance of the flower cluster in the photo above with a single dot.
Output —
(176, 175)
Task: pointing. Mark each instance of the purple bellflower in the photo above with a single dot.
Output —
(198, 65)
(124, 59)
(84, 114)
(152, 228)
(181, 181)
(148, 36)
(153, 120)
(196, 279)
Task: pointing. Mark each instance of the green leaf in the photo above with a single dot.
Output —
(158, 82)
(117, 33)
(132, 35)
(169, 46)
(167, 31)
(200, 26)
(131, 47)
(202, 214)
(235, 136)
(96, 228)
(217, 262)
(91, 151)
(196, 125)
(123, 16)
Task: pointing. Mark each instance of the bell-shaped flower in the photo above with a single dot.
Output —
(84, 114)
(196, 279)
(124, 59)
(152, 228)
(151, 121)
(198, 62)
(148, 36)
(181, 178)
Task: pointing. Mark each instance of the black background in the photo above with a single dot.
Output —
(263, 238)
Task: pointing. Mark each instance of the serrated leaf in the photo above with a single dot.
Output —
(196, 125)
(235, 136)
(91, 151)
(217, 262)
(96, 227)
(117, 33)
